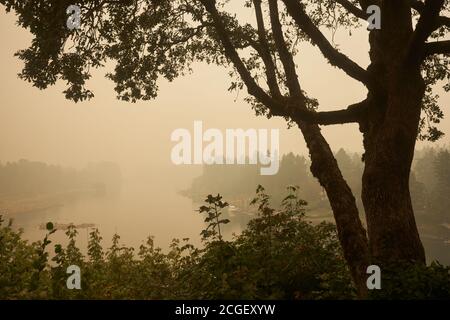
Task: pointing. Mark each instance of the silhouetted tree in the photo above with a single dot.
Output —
(148, 39)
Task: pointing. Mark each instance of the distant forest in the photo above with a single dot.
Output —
(26, 178)
(430, 182)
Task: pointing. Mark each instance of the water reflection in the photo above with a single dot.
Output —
(139, 210)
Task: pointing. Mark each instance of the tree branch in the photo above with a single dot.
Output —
(366, 3)
(230, 51)
(417, 5)
(438, 47)
(265, 54)
(352, 114)
(336, 58)
(429, 16)
(350, 7)
(285, 56)
(442, 21)
(282, 107)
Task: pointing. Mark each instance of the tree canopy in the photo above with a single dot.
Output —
(150, 39)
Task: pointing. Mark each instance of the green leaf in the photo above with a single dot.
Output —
(49, 226)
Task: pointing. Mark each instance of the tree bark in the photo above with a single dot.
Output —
(390, 130)
(351, 233)
(393, 234)
(390, 133)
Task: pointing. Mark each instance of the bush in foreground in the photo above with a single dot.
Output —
(278, 256)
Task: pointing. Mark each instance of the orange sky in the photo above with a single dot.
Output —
(42, 125)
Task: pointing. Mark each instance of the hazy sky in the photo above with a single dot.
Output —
(42, 125)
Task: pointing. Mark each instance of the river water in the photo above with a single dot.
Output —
(139, 210)
(147, 208)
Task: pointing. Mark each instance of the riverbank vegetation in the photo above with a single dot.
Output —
(279, 256)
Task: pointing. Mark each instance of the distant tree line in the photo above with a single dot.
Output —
(429, 183)
(26, 177)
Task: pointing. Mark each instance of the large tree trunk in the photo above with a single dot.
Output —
(352, 235)
(393, 234)
(395, 98)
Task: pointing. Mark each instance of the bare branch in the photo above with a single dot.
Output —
(443, 22)
(278, 107)
(265, 54)
(417, 5)
(335, 57)
(230, 51)
(438, 47)
(286, 57)
(352, 114)
(350, 7)
(366, 3)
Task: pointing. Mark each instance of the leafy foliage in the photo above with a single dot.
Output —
(279, 256)
(436, 71)
(146, 40)
(414, 282)
(213, 212)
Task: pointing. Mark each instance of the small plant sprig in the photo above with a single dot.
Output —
(292, 204)
(41, 260)
(213, 210)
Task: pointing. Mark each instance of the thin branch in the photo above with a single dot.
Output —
(336, 58)
(285, 56)
(264, 51)
(278, 108)
(230, 51)
(366, 3)
(350, 7)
